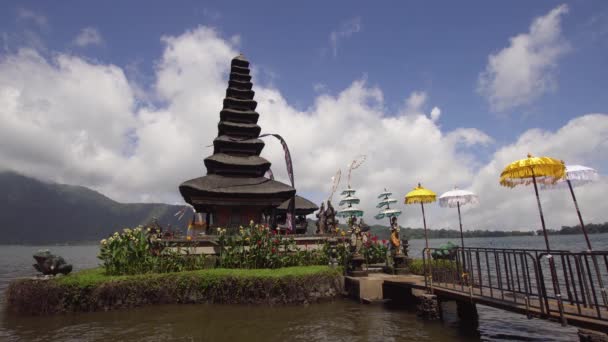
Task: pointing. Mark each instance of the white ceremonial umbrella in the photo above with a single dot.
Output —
(576, 175)
(454, 199)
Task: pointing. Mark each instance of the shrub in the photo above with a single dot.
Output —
(258, 246)
(375, 251)
(136, 251)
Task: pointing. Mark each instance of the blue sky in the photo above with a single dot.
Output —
(436, 46)
(311, 60)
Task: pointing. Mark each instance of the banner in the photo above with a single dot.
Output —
(291, 217)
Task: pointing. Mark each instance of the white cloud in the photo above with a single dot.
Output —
(435, 113)
(525, 70)
(74, 121)
(24, 14)
(583, 140)
(88, 36)
(415, 101)
(347, 29)
(319, 87)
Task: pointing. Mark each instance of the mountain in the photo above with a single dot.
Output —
(33, 211)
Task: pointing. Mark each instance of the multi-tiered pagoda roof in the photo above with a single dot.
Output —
(235, 170)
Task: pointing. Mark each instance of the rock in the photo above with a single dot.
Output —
(50, 264)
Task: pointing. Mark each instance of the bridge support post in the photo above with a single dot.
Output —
(585, 335)
(429, 307)
(467, 313)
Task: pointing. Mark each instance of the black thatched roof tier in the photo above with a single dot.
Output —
(240, 84)
(236, 115)
(242, 104)
(215, 190)
(240, 77)
(303, 206)
(237, 93)
(240, 60)
(229, 145)
(239, 70)
(226, 164)
(237, 129)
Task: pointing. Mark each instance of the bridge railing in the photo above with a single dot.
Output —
(556, 284)
(580, 282)
(509, 275)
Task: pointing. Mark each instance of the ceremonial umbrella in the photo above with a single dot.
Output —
(454, 199)
(576, 175)
(421, 195)
(547, 171)
(537, 169)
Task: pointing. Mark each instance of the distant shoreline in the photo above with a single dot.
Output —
(94, 243)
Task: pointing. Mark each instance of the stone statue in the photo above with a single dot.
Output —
(405, 247)
(321, 219)
(355, 267)
(399, 250)
(395, 240)
(356, 237)
(330, 218)
(50, 264)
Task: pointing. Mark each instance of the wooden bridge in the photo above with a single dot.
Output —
(568, 289)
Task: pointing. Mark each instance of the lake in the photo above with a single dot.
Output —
(341, 320)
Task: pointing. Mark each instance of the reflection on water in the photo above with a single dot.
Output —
(341, 320)
(338, 321)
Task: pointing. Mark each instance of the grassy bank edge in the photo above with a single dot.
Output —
(97, 276)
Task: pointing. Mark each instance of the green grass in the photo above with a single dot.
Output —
(96, 276)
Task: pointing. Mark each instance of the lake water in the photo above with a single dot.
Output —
(341, 320)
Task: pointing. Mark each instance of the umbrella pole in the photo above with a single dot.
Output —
(540, 210)
(578, 212)
(426, 237)
(550, 257)
(595, 264)
(464, 262)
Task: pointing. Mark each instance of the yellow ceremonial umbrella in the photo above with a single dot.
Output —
(421, 195)
(538, 169)
(530, 171)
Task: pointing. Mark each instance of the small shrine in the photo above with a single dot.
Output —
(398, 250)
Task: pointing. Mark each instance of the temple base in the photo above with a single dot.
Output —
(356, 266)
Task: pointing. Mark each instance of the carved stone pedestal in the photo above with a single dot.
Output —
(356, 266)
(400, 264)
(333, 252)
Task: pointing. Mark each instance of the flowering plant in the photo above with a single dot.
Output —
(258, 246)
(136, 251)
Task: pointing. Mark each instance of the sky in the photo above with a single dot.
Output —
(124, 97)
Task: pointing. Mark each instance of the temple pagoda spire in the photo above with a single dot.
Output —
(235, 190)
(236, 150)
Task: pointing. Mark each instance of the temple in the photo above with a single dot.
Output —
(235, 189)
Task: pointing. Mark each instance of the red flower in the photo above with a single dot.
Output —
(273, 250)
(384, 241)
(259, 242)
(375, 238)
